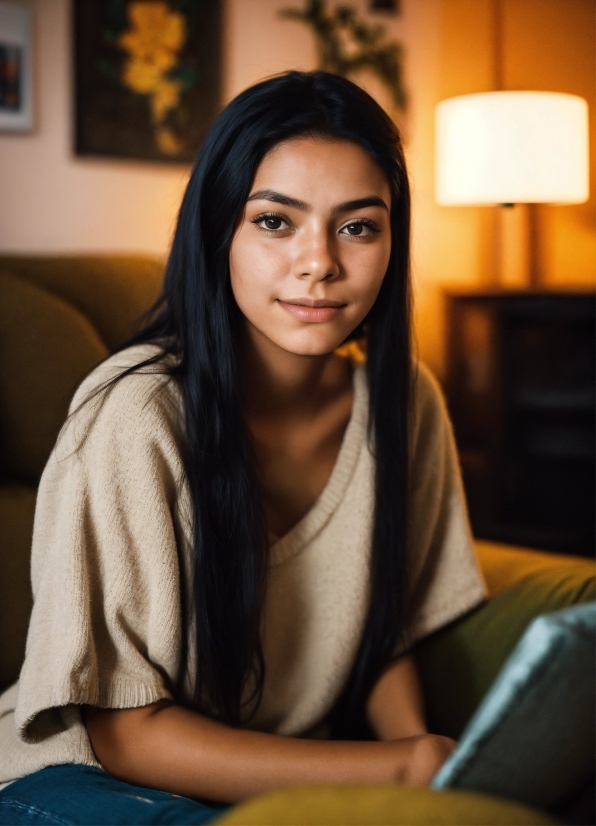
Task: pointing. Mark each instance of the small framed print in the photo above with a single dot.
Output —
(16, 75)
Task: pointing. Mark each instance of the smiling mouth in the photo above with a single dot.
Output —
(312, 302)
(312, 311)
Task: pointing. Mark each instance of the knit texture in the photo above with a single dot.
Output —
(111, 547)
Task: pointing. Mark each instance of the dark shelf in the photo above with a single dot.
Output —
(520, 389)
(555, 400)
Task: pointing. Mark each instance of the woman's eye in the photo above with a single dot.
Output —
(360, 229)
(270, 222)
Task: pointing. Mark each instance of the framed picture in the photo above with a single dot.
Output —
(16, 75)
(147, 77)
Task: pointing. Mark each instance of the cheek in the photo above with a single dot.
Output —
(255, 269)
(366, 271)
(382, 256)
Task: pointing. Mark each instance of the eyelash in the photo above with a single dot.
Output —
(264, 216)
(365, 222)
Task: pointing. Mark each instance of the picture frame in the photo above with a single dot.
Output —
(147, 77)
(16, 67)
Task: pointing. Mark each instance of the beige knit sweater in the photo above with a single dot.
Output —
(112, 533)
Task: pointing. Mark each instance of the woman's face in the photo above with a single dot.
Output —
(312, 248)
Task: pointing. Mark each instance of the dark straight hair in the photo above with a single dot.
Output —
(197, 320)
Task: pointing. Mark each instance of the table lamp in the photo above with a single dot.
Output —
(512, 148)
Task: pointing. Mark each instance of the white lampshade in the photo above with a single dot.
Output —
(512, 147)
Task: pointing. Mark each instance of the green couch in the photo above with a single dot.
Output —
(59, 317)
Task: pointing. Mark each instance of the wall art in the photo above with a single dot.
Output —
(147, 77)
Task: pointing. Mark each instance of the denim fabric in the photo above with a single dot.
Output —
(71, 795)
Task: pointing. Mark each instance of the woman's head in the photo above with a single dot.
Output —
(284, 133)
(312, 246)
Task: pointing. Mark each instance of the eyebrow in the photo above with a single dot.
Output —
(346, 206)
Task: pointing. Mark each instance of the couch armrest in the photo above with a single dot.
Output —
(505, 565)
(381, 805)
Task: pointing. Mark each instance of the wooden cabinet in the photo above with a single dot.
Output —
(520, 389)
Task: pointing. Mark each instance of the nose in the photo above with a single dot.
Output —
(317, 257)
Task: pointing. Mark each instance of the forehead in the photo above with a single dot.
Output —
(316, 169)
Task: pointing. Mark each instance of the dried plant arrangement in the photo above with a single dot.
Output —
(347, 44)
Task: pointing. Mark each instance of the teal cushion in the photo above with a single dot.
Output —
(532, 738)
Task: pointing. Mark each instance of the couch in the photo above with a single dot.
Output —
(59, 317)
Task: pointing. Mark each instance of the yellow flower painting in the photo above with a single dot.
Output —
(153, 44)
(147, 77)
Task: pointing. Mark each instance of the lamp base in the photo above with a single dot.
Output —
(517, 234)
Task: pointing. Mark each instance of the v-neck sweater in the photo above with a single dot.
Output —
(112, 543)
(334, 491)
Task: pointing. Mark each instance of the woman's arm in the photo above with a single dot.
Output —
(395, 710)
(395, 707)
(168, 747)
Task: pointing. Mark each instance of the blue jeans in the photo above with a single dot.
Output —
(70, 795)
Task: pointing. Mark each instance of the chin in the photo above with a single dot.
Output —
(311, 345)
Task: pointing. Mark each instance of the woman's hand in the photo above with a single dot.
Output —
(427, 755)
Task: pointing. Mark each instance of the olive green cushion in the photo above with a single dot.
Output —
(46, 348)
(459, 663)
(59, 317)
(382, 805)
(17, 503)
(110, 291)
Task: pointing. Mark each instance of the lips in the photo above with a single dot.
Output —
(312, 310)
(313, 302)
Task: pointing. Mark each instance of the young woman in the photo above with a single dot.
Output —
(244, 528)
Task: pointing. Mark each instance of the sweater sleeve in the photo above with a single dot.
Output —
(444, 578)
(105, 628)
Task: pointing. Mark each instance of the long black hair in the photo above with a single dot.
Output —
(197, 320)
